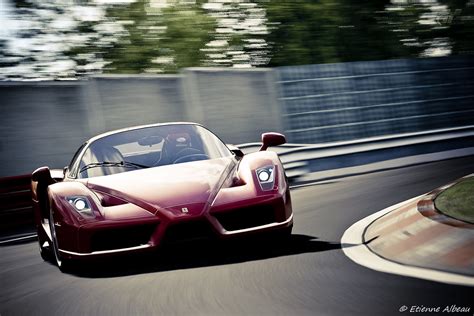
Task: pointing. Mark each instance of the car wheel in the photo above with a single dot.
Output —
(63, 264)
(44, 252)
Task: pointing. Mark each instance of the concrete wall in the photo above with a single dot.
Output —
(45, 123)
(122, 101)
(40, 124)
(238, 105)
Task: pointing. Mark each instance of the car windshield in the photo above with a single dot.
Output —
(149, 147)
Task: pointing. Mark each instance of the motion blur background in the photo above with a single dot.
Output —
(319, 71)
(70, 39)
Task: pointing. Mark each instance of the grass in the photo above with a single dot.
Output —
(458, 201)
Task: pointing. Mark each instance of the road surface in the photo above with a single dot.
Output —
(310, 275)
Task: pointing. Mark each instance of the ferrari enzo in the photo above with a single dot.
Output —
(135, 189)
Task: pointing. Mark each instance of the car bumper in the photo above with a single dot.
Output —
(270, 214)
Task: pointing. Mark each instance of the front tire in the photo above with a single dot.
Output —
(62, 263)
(45, 253)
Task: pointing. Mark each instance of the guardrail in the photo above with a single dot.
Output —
(302, 159)
(16, 213)
(16, 209)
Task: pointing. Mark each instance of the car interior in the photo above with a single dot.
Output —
(148, 151)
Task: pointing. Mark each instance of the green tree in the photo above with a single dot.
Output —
(460, 21)
(416, 25)
(367, 33)
(138, 41)
(156, 40)
(239, 38)
(324, 31)
(188, 29)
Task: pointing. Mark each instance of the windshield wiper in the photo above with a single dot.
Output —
(126, 164)
(133, 164)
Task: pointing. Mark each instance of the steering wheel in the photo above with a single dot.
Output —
(190, 154)
(193, 157)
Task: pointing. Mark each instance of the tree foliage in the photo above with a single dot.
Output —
(324, 31)
(188, 30)
(157, 40)
(138, 41)
(64, 41)
(461, 25)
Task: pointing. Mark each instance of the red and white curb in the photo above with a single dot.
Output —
(355, 248)
(418, 234)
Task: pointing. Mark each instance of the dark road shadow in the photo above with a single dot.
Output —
(202, 255)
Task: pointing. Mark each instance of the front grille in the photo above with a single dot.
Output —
(246, 217)
(188, 231)
(124, 237)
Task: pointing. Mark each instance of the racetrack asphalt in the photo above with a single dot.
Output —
(309, 275)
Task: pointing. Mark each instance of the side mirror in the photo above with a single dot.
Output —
(236, 150)
(272, 139)
(58, 175)
(41, 174)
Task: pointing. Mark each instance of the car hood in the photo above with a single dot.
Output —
(169, 189)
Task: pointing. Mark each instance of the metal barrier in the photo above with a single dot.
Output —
(302, 160)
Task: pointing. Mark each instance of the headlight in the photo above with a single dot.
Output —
(266, 177)
(81, 205)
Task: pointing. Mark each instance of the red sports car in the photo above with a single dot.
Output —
(138, 188)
